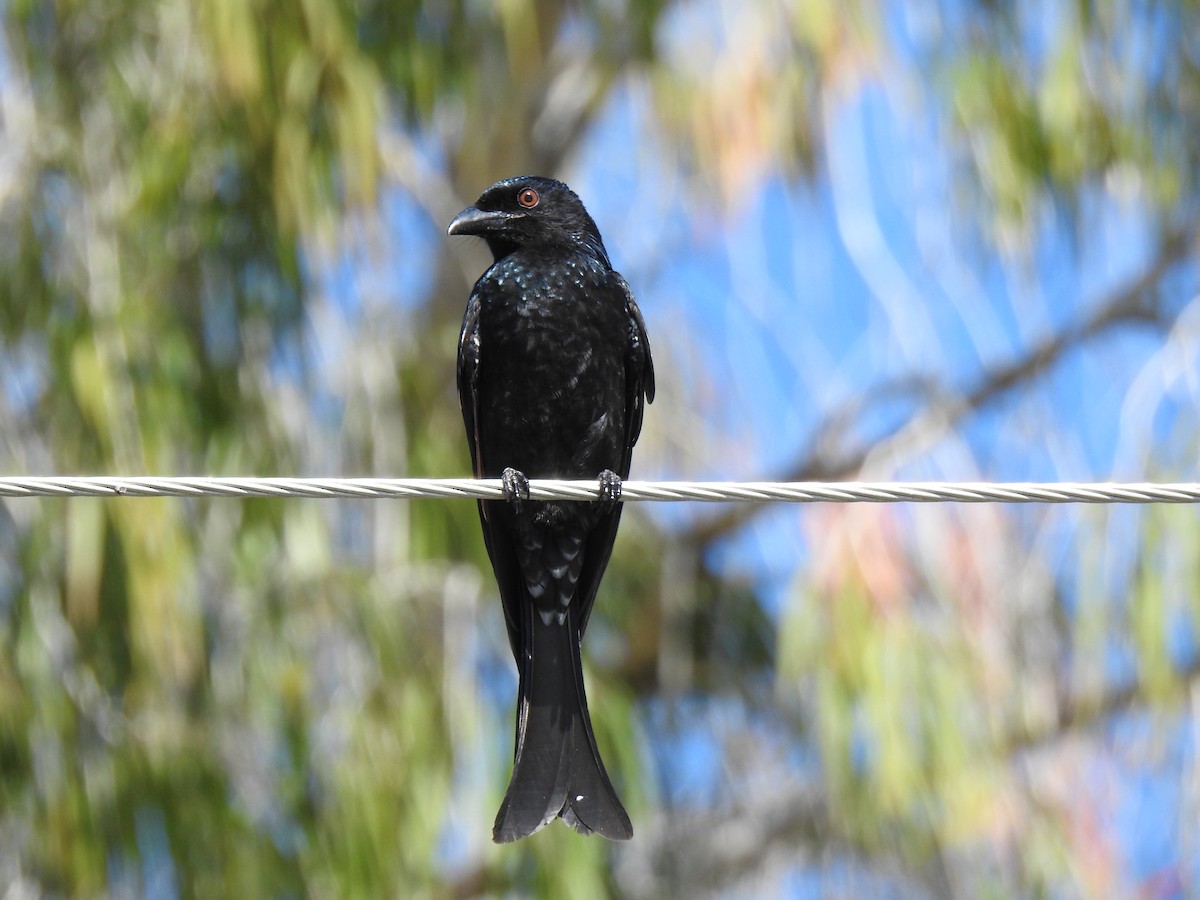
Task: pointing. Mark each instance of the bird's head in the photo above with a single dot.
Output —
(529, 212)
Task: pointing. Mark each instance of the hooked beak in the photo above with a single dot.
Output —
(480, 221)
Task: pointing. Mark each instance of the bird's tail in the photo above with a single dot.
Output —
(557, 770)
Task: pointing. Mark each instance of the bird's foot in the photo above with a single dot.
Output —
(610, 486)
(515, 486)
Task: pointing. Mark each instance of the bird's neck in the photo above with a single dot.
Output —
(586, 244)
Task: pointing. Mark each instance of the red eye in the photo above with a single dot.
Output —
(528, 198)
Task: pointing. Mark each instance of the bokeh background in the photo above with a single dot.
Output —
(948, 239)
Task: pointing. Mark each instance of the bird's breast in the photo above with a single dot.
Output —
(551, 371)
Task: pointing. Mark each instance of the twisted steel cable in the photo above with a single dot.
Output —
(634, 491)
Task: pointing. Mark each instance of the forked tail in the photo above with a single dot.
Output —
(557, 770)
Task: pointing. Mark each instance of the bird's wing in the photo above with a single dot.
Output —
(639, 375)
(468, 371)
(639, 390)
(496, 539)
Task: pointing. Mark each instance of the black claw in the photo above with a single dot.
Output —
(515, 486)
(610, 486)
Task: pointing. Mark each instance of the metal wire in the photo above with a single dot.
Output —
(660, 491)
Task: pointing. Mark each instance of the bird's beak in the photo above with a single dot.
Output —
(479, 221)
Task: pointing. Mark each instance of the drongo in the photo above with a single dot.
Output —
(554, 372)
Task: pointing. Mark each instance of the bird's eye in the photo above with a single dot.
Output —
(528, 198)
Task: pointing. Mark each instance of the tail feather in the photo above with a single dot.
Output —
(557, 770)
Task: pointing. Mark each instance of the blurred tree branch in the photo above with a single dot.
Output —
(1141, 301)
(730, 846)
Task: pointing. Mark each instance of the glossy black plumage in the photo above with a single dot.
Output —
(554, 372)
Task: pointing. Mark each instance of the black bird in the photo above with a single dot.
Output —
(554, 373)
